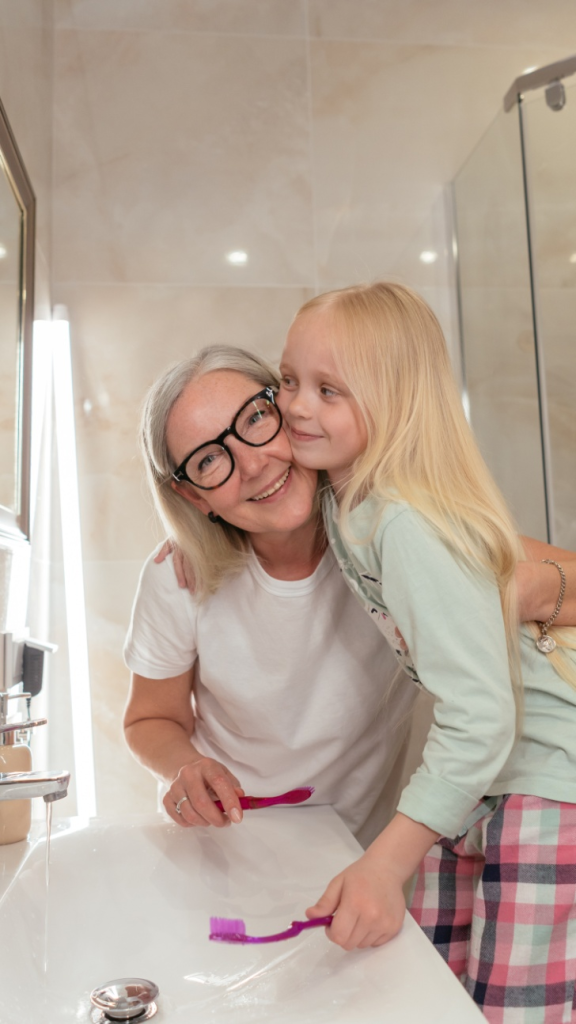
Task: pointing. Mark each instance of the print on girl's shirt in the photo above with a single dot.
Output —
(369, 590)
(380, 615)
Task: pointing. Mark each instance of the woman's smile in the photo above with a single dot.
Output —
(274, 488)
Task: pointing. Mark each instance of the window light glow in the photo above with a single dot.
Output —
(572, 258)
(428, 256)
(3, 251)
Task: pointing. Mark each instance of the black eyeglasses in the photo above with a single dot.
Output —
(211, 465)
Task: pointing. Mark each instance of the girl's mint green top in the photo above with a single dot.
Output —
(451, 622)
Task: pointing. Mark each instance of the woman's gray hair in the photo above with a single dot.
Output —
(214, 551)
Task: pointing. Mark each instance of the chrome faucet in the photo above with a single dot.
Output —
(25, 785)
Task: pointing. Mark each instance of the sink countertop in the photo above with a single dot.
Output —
(135, 898)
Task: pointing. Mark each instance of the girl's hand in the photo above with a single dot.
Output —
(202, 782)
(368, 902)
(182, 567)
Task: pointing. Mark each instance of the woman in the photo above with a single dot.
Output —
(270, 676)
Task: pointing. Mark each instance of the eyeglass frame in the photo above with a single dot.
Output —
(180, 474)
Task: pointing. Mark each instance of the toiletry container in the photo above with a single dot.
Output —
(15, 815)
(15, 756)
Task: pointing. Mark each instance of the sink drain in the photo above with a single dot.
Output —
(124, 999)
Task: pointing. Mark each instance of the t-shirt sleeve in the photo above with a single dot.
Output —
(451, 620)
(161, 640)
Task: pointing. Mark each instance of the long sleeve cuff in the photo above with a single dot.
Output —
(437, 804)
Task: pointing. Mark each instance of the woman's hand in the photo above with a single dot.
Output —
(182, 567)
(368, 903)
(202, 782)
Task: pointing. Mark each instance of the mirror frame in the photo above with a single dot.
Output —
(17, 523)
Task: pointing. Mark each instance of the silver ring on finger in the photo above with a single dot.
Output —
(179, 804)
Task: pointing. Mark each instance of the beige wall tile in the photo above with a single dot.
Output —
(556, 320)
(123, 337)
(514, 23)
(501, 377)
(392, 125)
(123, 787)
(173, 150)
(253, 17)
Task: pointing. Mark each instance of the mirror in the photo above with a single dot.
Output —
(17, 212)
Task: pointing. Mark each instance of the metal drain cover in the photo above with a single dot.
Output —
(124, 999)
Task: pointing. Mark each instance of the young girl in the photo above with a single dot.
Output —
(425, 540)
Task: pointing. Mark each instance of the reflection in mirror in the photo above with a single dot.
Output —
(10, 233)
(17, 214)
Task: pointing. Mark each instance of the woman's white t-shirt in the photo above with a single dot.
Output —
(293, 684)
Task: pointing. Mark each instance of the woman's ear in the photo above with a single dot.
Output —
(186, 491)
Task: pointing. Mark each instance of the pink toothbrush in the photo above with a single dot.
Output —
(252, 803)
(225, 929)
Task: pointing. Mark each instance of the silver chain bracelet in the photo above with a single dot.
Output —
(544, 642)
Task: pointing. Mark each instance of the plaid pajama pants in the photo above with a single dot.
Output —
(499, 904)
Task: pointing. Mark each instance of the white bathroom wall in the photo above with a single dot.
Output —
(315, 135)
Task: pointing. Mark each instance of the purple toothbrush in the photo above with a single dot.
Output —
(226, 929)
(251, 803)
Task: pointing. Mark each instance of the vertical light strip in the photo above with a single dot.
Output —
(41, 402)
(73, 575)
(40, 491)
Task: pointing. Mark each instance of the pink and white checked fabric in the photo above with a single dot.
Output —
(499, 904)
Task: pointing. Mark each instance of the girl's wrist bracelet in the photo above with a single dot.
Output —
(544, 642)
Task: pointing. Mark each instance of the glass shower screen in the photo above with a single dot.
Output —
(515, 222)
(550, 155)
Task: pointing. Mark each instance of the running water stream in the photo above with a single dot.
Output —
(47, 876)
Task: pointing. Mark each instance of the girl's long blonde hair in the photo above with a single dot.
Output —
(214, 551)
(389, 349)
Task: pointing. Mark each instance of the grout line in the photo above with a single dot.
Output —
(181, 32)
(435, 44)
(311, 148)
(178, 284)
(361, 40)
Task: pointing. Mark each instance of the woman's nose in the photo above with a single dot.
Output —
(249, 460)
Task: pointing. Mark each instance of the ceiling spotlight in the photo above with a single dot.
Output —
(238, 257)
(428, 256)
(3, 251)
(572, 258)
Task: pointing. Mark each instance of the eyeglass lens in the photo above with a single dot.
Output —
(256, 424)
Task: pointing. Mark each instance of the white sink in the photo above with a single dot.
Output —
(135, 900)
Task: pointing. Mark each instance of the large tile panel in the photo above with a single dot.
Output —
(123, 337)
(254, 17)
(392, 125)
(172, 150)
(448, 22)
(123, 787)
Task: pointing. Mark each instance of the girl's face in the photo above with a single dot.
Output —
(267, 492)
(323, 420)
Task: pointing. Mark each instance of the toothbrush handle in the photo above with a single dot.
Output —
(252, 803)
(295, 928)
(316, 922)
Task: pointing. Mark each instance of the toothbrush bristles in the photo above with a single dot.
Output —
(227, 929)
(298, 796)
